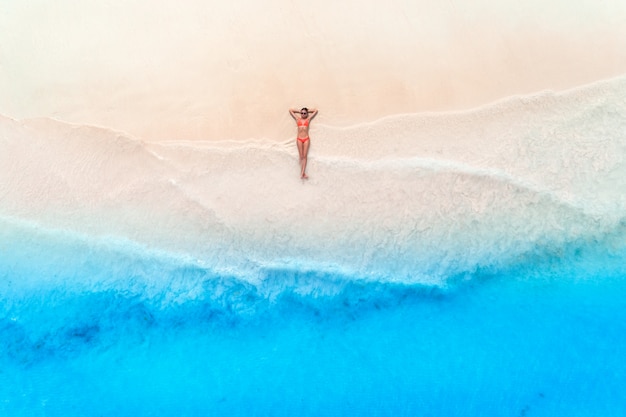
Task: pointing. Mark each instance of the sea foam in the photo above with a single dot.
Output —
(414, 198)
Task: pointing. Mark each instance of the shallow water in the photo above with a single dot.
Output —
(110, 329)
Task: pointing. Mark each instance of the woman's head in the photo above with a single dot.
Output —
(304, 112)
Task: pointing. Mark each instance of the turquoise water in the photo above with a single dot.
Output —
(111, 329)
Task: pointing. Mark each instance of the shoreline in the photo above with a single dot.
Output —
(398, 194)
(502, 103)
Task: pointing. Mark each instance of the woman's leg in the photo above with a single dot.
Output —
(303, 157)
(300, 149)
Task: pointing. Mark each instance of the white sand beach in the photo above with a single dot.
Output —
(437, 149)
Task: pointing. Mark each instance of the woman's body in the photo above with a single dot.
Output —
(303, 118)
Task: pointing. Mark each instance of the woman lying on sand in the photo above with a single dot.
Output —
(303, 118)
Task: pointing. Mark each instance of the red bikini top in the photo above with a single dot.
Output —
(303, 122)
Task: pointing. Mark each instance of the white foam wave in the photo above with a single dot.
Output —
(415, 197)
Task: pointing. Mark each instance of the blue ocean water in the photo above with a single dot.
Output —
(108, 328)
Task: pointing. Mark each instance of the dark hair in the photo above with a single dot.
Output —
(304, 109)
